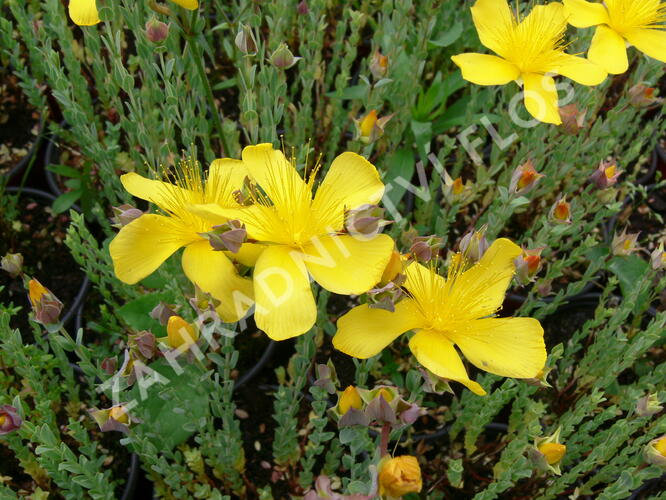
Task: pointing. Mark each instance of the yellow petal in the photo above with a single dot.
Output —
(494, 22)
(160, 193)
(423, 283)
(83, 12)
(541, 98)
(509, 347)
(143, 244)
(480, 290)
(187, 4)
(546, 22)
(351, 181)
(580, 70)
(224, 177)
(582, 14)
(276, 176)
(248, 254)
(608, 49)
(652, 42)
(285, 304)
(483, 69)
(214, 273)
(437, 354)
(347, 265)
(363, 332)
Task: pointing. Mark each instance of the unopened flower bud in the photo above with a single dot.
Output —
(624, 243)
(641, 96)
(385, 297)
(116, 418)
(349, 398)
(399, 476)
(9, 419)
(561, 211)
(545, 288)
(648, 405)
(455, 190)
(156, 31)
(378, 65)
(605, 175)
(12, 263)
(45, 305)
(229, 236)
(572, 119)
(524, 178)
(658, 257)
(124, 214)
(180, 333)
(302, 8)
(541, 378)
(474, 244)
(528, 265)
(245, 40)
(425, 248)
(548, 452)
(655, 452)
(283, 58)
(370, 127)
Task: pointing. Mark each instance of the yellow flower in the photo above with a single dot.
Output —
(621, 22)
(399, 476)
(553, 452)
(456, 311)
(303, 236)
(84, 12)
(145, 243)
(529, 50)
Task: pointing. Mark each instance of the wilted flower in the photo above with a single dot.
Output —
(9, 419)
(283, 58)
(524, 178)
(606, 174)
(641, 96)
(560, 212)
(370, 127)
(548, 452)
(156, 31)
(245, 40)
(528, 265)
(12, 263)
(144, 343)
(655, 452)
(162, 312)
(378, 65)
(323, 490)
(387, 296)
(45, 305)
(116, 418)
(399, 476)
(648, 405)
(180, 333)
(474, 244)
(381, 405)
(124, 214)
(572, 118)
(326, 377)
(456, 190)
(624, 243)
(658, 257)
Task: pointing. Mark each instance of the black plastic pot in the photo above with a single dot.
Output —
(25, 161)
(85, 284)
(50, 154)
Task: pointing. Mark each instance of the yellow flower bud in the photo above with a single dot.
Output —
(180, 332)
(350, 398)
(554, 452)
(399, 476)
(368, 124)
(119, 414)
(36, 291)
(386, 394)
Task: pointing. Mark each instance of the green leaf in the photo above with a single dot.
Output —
(449, 37)
(629, 271)
(137, 313)
(64, 170)
(399, 165)
(357, 92)
(65, 201)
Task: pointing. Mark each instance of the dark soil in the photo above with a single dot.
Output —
(19, 123)
(33, 231)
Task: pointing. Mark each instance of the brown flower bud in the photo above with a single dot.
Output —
(124, 214)
(378, 65)
(45, 305)
(245, 40)
(156, 31)
(9, 419)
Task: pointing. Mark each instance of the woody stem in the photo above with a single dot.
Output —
(383, 444)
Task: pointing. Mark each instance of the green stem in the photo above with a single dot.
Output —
(198, 61)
